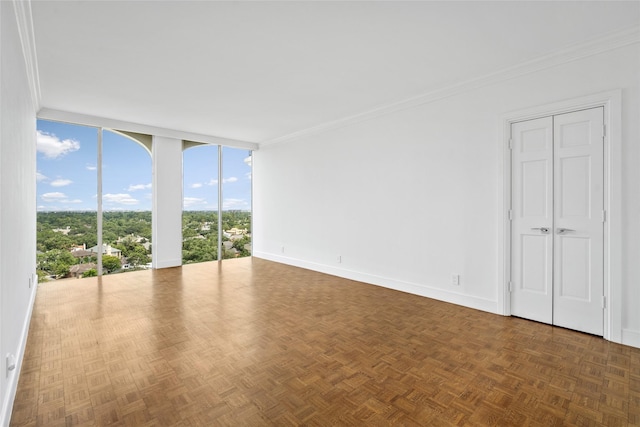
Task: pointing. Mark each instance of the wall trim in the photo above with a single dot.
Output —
(387, 282)
(570, 53)
(95, 121)
(24, 20)
(168, 263)
(612, 103)
(12, 383)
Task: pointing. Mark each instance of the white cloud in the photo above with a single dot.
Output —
(60, 182)
(121, 198)
(59, 198)
(248, 176)
(196, 185)
(193, 201)
(41, 177)
(91, 167)
(234, 204)
(54, 197)
(247, 160)
(52, 147)
(136, 187)
(224, 181)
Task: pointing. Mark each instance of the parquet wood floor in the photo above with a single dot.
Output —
(252, 343)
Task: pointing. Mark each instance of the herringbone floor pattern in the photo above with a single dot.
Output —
(252, 343)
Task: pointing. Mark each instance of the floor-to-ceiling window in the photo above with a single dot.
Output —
(200, 203)
(90, 179)
(216, 219)
(66, 200)
(126, 204)
(236, 202)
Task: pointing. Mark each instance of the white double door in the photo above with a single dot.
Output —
(557, 227)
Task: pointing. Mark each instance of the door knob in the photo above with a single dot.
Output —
(564, 230)
(543, 230)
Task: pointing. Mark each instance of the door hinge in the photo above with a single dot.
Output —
(604, 302)
(510, 286)
(510, 143)
(604, 216)
(510, 214)
(604, 130)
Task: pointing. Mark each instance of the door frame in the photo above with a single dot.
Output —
(611, 101)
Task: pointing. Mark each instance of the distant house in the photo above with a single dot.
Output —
(79, 269)
(134, 238)
(81, 253)
(228, 247)
(235, 233)
(64, 231)
(106, 250)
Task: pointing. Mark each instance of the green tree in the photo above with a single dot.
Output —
(43, 276)
(239, 244)
(61, 269)
(138, 256)
(90, 273)
(199, 250)
(56, 262)
(188, 233)
(111, 263)
(135, 252)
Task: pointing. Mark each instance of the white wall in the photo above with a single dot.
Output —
(167, 202)
(408, 198)
(17, 204)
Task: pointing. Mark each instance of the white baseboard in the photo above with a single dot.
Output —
(631, 338)
(168, 263)
(12, 383)
(386, 282)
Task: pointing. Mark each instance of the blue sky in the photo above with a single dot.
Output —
(67, 180)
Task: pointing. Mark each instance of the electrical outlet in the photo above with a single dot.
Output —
(455, 279)
(339, 259)
(10, 363)
(282, 249)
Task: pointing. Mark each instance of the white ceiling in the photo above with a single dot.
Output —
(256, 71)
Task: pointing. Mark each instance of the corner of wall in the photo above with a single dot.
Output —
(469, 301)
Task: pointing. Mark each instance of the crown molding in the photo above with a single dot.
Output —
(121, 125)
(24, 20)
(565, 55)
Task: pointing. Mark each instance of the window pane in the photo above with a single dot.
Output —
(66, 200)
(236, 205)
(126, 204)
(200, 204)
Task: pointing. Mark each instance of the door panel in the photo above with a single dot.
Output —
(535, 264)
(574, 190)
(532, 255)
(578, 189)
(557, 227)
(574, 281)
(534, 189)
